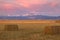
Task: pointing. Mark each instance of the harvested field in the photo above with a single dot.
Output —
(29, 30)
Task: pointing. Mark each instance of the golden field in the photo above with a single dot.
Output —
(27, 21)
(28, 30)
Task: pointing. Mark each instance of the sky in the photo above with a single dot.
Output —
(29, 7)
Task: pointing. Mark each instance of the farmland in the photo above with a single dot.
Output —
(28, 30)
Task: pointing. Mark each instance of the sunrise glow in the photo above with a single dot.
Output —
(28, 3)
(7, 6)
(43, 6)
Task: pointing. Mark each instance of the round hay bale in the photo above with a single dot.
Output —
(52, 30)
(11, 27)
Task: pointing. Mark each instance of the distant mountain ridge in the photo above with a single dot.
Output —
(35, 17)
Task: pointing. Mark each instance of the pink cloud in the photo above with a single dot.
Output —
(31, 5)
(53, 4)
(7, 6)
(28, 3)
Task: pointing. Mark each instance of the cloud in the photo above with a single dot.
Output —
(28, 3)
(54, 3)
(7, 6)
(25, 7)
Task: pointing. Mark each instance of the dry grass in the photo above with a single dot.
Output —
(28, 30)
(27, 21)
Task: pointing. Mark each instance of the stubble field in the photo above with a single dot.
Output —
(28, 30)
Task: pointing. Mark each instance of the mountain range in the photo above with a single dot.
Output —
(33, 17)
